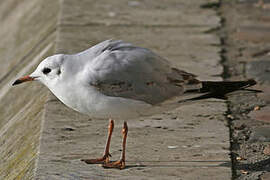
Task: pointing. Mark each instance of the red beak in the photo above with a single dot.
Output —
(23, 79)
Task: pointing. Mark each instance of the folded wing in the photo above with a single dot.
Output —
(122, 70)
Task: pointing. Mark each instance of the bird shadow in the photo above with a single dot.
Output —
(175, 164)
(218, 95)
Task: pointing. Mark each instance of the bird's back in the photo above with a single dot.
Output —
(119, 69)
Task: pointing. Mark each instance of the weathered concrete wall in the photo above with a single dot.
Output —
(27, 35)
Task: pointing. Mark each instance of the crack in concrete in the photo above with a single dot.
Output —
(225, 74)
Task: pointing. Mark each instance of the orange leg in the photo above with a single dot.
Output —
(120, 164)
(106, 155)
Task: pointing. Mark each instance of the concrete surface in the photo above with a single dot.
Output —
(179, 31)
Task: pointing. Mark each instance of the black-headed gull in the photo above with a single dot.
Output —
(116, 79)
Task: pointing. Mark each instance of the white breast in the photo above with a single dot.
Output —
(88, 100)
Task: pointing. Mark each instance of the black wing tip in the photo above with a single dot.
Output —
(226, 86)
(251, 82)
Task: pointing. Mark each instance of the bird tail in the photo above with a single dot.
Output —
(223, 87)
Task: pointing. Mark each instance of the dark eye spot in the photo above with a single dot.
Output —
(58, 72)
(46, 70)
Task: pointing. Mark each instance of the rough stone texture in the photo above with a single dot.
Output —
(197, 130)
(245, 33)
(27, 34)
(265, 176)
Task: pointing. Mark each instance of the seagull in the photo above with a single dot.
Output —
(115, 79)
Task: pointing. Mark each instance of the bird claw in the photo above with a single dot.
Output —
(120, 164)
(104, 159)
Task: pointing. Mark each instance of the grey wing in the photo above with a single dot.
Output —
(123, 70)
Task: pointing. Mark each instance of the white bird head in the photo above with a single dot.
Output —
(48, 71)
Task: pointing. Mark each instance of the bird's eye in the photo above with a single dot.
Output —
(46, 70)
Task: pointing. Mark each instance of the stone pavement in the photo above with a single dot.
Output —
(247, 55)
(189, 142)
